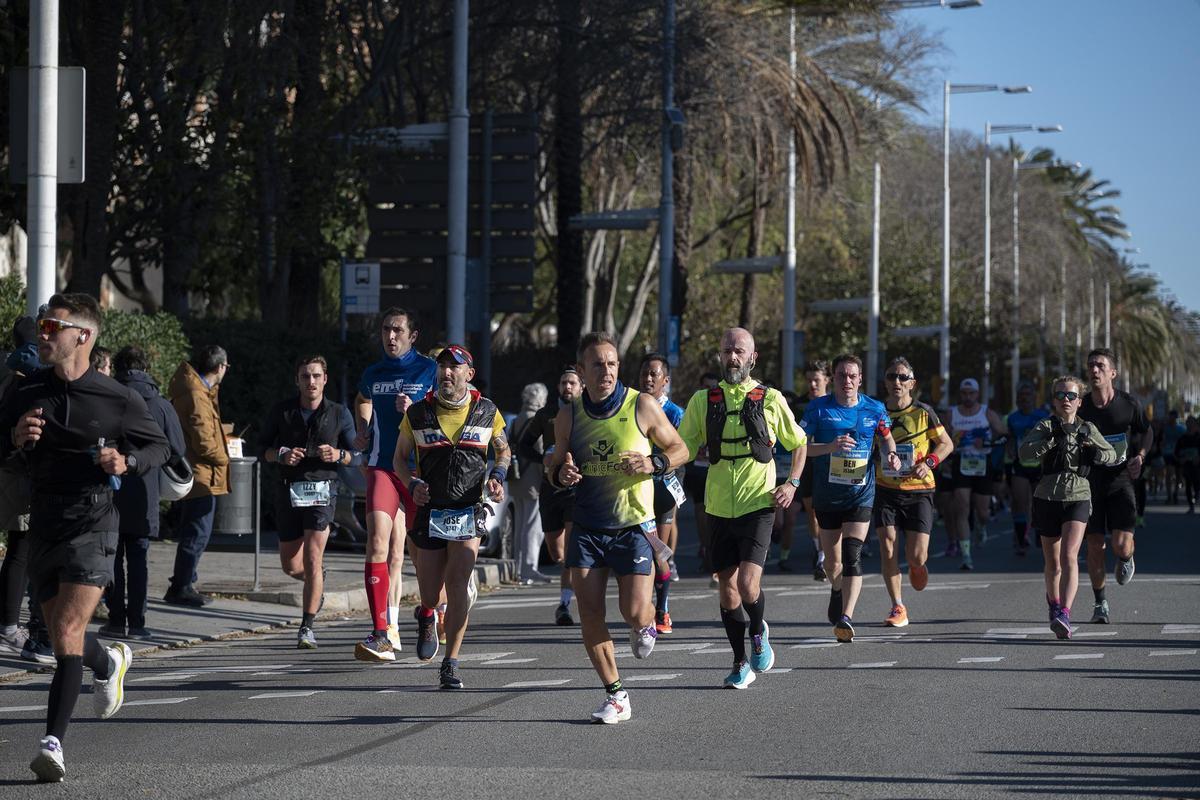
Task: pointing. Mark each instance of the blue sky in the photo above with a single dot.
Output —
(1123, 79)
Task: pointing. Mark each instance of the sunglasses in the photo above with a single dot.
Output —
(898, 376)
(48, 326)
(1068, 396)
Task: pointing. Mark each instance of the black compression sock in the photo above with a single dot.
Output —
(755, 612)
(661, 588)
(95, 656)
(735, 628)
(614, 687)
(306, 621)
(64, 692)
(1099, 594)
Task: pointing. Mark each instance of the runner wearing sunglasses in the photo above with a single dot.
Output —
(1067, 448)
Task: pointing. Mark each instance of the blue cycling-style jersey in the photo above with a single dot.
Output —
(844, 480)
(412, 374)
(1171, 436)
(1020, 423)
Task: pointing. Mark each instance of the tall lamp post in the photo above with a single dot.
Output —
(948, 89)
(988, 130)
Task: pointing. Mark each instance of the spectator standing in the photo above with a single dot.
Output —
(193, 391)
(526, 483)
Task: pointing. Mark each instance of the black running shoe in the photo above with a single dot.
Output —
(562, 615)
(835, 606)
(427, 638)
(448, 674)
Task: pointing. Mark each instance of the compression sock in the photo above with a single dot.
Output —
(735, 628)
(64, 692)
(1099, 594)
(565, 595)
(662, 585)
(1020, 527)
(306, 620)
(376, 578)
(95, 657)
(965, 547)
(755, 612)
(614, 687)
(424, 613)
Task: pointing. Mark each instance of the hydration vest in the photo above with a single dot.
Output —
(454, 470)
(754, 421)
(1056, 460)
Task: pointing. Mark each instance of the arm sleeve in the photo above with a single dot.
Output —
(144, 440)
(691, 428)
(346, 436)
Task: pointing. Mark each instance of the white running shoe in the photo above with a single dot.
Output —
(614, 709)
(641, 642)
(372, 649)
(48, 763)
(472, 591)
(393, 637)
(109, 694)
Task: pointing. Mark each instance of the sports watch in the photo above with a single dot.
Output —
(795, 482)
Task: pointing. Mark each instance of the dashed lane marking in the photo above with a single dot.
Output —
(506, 661)
(981, 660)
(666, 676)
(277, 695)
(872, 665)
(1166, 629)
(20, 709)
(1080, 634)
(1171, 653)
(1077, 656)
(535, 684)
(162, 701)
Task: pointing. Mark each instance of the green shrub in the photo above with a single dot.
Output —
(12, 305)
(160, 335)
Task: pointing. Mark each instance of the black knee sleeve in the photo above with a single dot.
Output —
(851, 557)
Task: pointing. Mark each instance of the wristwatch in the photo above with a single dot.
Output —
(795, 482)
(131, 463)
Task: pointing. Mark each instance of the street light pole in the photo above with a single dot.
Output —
(42, 197)
(666, 208)
(456, 243)
(787, 378)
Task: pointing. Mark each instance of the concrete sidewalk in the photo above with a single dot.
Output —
(238, 607)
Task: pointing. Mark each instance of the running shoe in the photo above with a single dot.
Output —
(393, 637)
(918, 576)
(662, 622)
(641, 642)
(48, 763)
(1100, 613)
(1054, 608)
(109, 630)
(427, 640)
(835, 606)
(1124, 571)
(109, 693)
(305, 639)
(38, 651)
(15, 641)
(562, 615)
(740, 676)
(762, 655)
(674, 570)
(472, 591)
(374, 649)
(967, 564)
(1061, 624)
(448, 676)
(819, 574)
(898, 618)
(843, 630)
(614, 709)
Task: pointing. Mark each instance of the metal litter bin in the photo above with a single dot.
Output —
(237, 513)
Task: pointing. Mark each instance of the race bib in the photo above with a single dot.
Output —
(675, 488)
(847, 469)
(452, 524)
(907, 453)
(1120, 443)
(306, 494)
(973, 463)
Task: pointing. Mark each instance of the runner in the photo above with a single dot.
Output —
(1122, 421)
(1171, 431)
(388, 387)
(309, 437)
(449, 431)
(739, 422)
(79, 431)
(554, 505)
(817, 375)
(1187, 452)
(844, 427)
(1067, 449)
(904, 499)
(694, 479)
(1025, 473)
(654, 374)
(971, 427)
(603, 448)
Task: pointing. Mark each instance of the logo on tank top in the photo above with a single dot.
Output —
(602, 449)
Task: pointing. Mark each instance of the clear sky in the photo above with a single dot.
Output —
(1123, 79)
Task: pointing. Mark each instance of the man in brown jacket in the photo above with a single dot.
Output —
(193, 392)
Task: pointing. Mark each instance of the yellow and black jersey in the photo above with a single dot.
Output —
(915, 430)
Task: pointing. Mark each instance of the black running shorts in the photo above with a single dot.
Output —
(291, 523)
(832, 519)
(738, 539)
(1050, 515)
(555, 507)
(1114, 507)
(904, 511)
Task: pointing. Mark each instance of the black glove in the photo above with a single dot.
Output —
(1056, 426)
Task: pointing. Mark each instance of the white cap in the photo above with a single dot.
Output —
(969, 383)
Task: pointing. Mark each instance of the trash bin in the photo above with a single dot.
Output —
(236, 510)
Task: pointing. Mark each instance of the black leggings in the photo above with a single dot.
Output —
(12, 577)
(1191, 482)
(1139, 492)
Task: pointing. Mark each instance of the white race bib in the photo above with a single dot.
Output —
(306, 494)
(973, 463)
(907, 455)
(452, 524)
(675, 488)
(1120, 444)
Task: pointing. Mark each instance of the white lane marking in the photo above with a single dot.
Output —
(162, 701)
(1025, 631)
(506, 661)
(1172, 653)
(668, 647)
(1077, 656)
(873, 665)
(981, 660)
(813, 644)
(413, 660)
(173, 676)
(667, 676)
(191, 673)
(535, 684)
(1078, 634)
(274, 695)
(947, 586)
(1181, 628)
(779, 670)
(19, 709)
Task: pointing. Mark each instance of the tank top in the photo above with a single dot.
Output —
(606, 498)
(974, 435)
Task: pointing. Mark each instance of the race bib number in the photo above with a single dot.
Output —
(974, 463)
(1120, 443)
(907, 453)
(306, 494)
(847, 469)
(675, 488)
(452, 524)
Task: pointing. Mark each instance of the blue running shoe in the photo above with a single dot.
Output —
(762, 656)
(741, 676)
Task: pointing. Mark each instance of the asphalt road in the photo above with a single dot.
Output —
(974, 699)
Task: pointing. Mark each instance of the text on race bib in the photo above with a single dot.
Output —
(451, 524)
(1120, 443)
(907, 453)
(676, 489)
(307, 494)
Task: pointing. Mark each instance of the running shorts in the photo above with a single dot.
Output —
(385, 493)
(904, 511)
(737, 539)
(1050, 515)
(625, 551)
(1114, 507)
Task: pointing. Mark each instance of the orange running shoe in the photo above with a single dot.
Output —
(663, 623)
(918, 576)
(898, 618)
